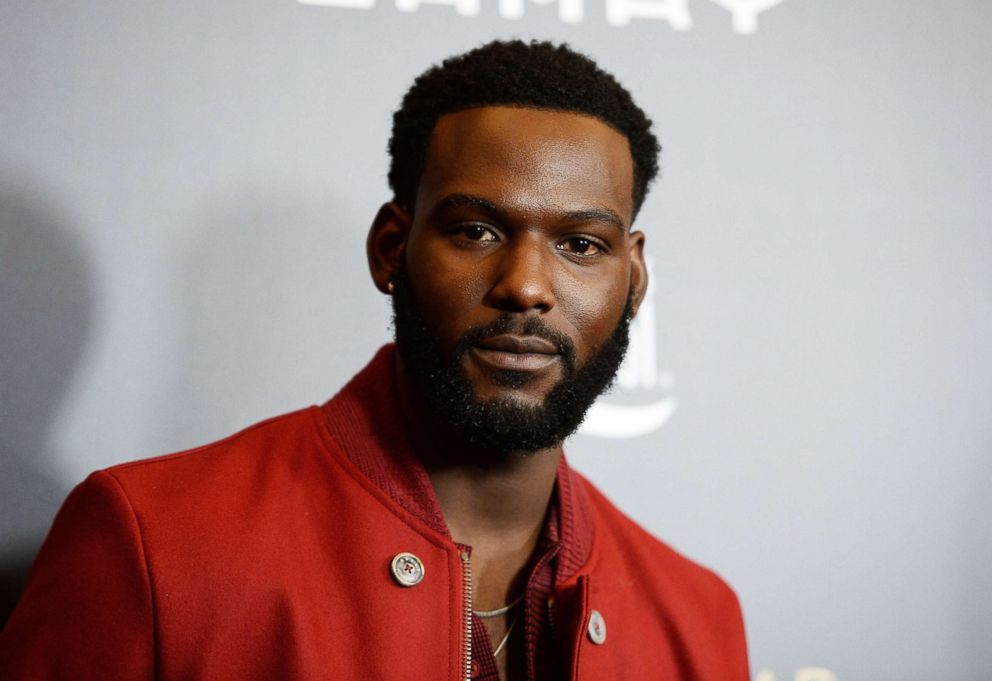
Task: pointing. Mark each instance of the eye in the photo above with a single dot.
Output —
(580, 245)
(477, 232)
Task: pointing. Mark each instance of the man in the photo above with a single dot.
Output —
(423, 523)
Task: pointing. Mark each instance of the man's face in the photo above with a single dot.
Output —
(519, 268)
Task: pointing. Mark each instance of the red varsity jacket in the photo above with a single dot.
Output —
(270, 555)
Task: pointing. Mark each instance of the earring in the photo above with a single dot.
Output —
(390, 287)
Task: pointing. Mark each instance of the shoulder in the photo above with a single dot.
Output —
(256, 468)
(669, 615)
(273, 443)
(627, 551)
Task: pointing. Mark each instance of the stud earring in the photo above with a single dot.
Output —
(390, 287)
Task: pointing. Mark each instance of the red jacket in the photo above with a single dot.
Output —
(268, 556)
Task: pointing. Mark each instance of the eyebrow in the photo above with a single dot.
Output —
(599, 214)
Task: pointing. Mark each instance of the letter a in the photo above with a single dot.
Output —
(675, 12)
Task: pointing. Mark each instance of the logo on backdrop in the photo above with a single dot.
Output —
(639, 376)
(743, 13)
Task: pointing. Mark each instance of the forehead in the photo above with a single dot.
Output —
(529, 159)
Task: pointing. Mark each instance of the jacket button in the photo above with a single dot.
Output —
(407, 569)
(597, 628)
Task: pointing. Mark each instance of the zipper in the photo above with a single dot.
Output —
(467, 592)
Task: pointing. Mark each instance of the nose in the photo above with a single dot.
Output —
(522, 278)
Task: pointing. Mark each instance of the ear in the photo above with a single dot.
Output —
(638, 270)
(386, 243)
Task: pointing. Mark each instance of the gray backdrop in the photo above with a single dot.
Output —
(185, 190)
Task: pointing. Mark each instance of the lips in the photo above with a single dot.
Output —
(519, 344)
(508, 352)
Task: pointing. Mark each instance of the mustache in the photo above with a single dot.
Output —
(520, 326)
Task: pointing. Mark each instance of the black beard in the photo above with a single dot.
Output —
(498, 427)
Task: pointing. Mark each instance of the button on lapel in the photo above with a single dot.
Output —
(597, 628)
(407, 569)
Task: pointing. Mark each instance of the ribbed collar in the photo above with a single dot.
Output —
(365, 420)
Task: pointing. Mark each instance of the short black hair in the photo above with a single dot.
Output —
(533, 74)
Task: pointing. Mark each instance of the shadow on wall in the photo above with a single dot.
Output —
(46, 304)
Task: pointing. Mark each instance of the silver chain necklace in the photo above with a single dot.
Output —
(506, 636)
(487, 614)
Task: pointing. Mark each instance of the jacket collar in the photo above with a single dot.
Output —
(365, 420)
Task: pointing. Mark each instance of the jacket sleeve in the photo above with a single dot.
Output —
(86, 610)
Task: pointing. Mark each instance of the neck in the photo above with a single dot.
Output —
(496, 505)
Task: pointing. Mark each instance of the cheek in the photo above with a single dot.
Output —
(446, 289)
(593, 309)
